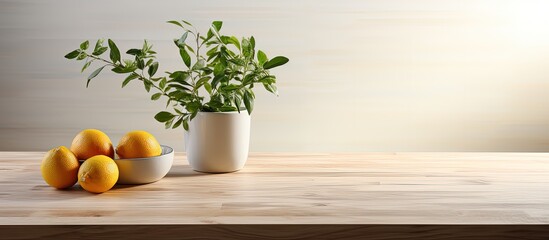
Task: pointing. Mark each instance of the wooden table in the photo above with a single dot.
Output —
(294, 196)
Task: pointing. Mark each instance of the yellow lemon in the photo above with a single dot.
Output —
(138, 144)
(59, 168)
(91, 142)
(98, 174)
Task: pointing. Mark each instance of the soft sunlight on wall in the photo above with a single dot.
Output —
(384, 75)
(528, 21)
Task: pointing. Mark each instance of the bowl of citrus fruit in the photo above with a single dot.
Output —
(97, 166)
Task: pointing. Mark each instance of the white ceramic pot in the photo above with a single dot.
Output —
(218, 142)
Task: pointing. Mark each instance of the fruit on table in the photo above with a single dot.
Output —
(59, 168)
(98, 174)
(138, 144)
(92, 142)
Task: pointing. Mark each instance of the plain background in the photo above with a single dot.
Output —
(386, 75)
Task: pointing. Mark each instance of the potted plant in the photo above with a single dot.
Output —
(212, 98)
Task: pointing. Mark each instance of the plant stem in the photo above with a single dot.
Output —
(141, 77)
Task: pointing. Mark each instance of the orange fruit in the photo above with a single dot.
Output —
(138, 144)
(91, 142)
(59, 168)
(98, 174)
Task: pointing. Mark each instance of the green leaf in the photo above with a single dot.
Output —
(212, 51)
(175, 23)
(179, 87)
(189, 48)
(235, 41)
(230, 87)
(219, 69)
(168, 124)
(73, 54)
(227, 53)
(81, 56)
(134, 51)
(129, 78)
(98, 44)
(180, 77)
(269, 79)
(186, 124)
(271, 88)
(246, 47)
(262, 57)
(156, 96)
(249, 78)
(275, 62)
(100, 51)
(238, 61)
(115, 53)
(209, 35)
(206, 71)
(188, 23)
(193, 106)
(147, 84)
(231, 40)
(180, 95)
(237, 101)
(86, 65)
(162, 83)
(193, 114)
(185, 56)
(140, 64)
(119, 69)
(252, 42)
(215, 102)
(199, 65)
(164, 116)
(124, 69)
(85, 45)
(248, 102)
(202, 81)
(149, 62)
(93, 74)
(146, 47)
(153, 68)
(208, 87)
(224, 39)
(178, 111)
(250, 92)
(177, 123)
(217, 79)
(215, 57)
(217, 25)
(227, 109)
(181, 41)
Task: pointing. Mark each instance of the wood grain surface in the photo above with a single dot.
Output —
(421, 195)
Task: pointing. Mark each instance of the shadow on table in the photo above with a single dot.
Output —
(183, 171)
(124, 186)
(45, 192)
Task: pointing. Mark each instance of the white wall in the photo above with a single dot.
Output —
(387, 75)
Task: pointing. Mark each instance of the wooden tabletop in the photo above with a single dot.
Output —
(369, 189)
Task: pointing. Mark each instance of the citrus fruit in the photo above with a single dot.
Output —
(138, 144)
(98, 174)
(59, 168)
(91, 142)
